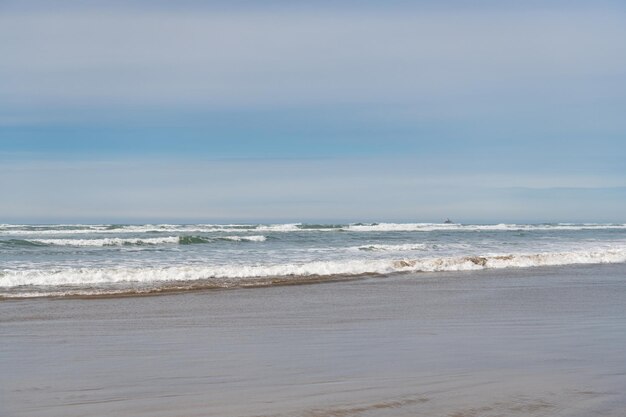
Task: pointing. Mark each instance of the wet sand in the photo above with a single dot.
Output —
(528, 342)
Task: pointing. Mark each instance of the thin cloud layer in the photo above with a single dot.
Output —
(526, 93)
(295, 190)
(257, 59)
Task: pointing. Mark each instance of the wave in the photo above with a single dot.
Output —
(430, 227)
(189, 240)
(117, 241)
(119, 229)
(21, 283)
(21, 243)
(395, 248)
(17, 230)
(244, 238)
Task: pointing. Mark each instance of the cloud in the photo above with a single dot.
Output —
(226, 59)
(343, 77)
(458, 110)
(295, 190)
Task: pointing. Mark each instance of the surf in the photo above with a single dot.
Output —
(60, 281)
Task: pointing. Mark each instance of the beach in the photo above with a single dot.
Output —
(545, 341)
(312, 208)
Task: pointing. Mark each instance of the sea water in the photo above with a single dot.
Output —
(108, 259)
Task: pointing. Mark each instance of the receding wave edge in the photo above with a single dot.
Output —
(103, 281)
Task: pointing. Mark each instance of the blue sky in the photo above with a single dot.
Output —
(344, 110)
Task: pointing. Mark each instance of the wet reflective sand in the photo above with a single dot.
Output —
(532, 342)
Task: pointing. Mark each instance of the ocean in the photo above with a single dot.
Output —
(117, 259)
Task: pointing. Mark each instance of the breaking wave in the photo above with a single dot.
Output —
(430, 227)
(116, 241)
(25, 230)
(392, 248)
(101, 281)
(244, 238)
(190, 240)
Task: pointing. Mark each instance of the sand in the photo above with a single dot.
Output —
(532, 342)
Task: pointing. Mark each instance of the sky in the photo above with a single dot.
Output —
(217, 111)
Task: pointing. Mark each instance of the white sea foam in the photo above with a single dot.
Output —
(116, 241)
(236, 275)
(288, 227)
(429, 227)
(138, 229)
(104, 230)
(255, 238)
(393, 248)
(25, 230)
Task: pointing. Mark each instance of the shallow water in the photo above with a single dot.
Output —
(57, 260)
(517, 342)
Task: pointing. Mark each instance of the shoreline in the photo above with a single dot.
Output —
(529, 342)
(210, 285)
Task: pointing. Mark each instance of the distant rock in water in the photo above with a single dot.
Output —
(448, 221)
